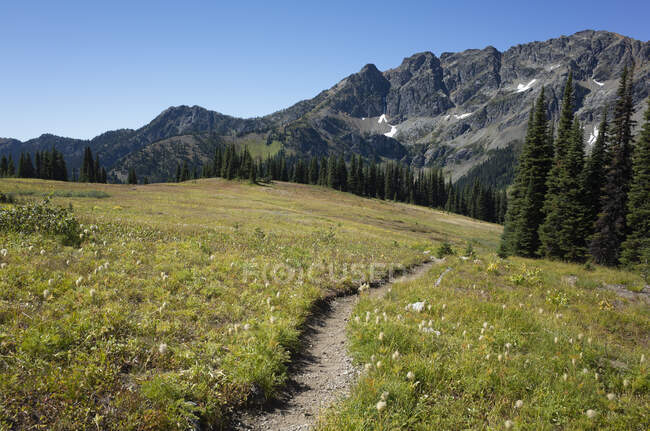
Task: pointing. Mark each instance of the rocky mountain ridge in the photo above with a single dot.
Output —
(450, 111)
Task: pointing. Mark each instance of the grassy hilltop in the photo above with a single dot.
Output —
(184, 301)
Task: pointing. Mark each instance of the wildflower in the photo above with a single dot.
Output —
(381, 336)
(541, 311)
(573, 361)
(611, 397)
(500, 357)
(580, 336)
(272, 319)
(555, 340)
(596, 376)
(3, 252)
(92, 293)
(585, 371)
(642, 358)
(396, 355)
(79, 280)
(509, 424)
(485, 325)
(3, 265)
(480, 337)
(368, 366)
(565, 377)
(519, 404)
(626, 382)
(591, 413)
(356, 319)
(30, 248)
(464, 333)
(508, 346)
(410, 375)
(46, 294)
(247, 327)
(503, 306)
(384, 395)
(42, 252)
(162, 348)
(381, 405)
(487, 357)
(379, 364)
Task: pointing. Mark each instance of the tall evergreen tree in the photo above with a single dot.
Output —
(611, 226)
(636, 248)
(562, 234)
(526, 214)
(593, 176)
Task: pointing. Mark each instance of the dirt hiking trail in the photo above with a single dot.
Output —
(323, 373)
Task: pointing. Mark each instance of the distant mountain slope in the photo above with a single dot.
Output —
(447, 111)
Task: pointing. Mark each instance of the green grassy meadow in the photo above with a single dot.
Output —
(501, 344)
(184, 302)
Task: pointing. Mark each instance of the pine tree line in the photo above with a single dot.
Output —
(49, 165)
(566, 205)
(389, 181)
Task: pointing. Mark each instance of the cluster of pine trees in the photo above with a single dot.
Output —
(91, 171)
(49, 165)
(391, 180)
(569, 206)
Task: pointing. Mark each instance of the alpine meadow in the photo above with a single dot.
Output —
(460, 242)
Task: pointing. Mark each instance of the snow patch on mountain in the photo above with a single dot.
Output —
(521, 87)
(599, 83)
(393, 130)
(382, 119)
(461, 116)
(593, 136)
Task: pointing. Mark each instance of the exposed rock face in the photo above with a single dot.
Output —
(446, 111)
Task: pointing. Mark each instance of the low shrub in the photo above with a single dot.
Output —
(42, 217)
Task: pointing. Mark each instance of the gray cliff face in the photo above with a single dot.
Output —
(448, 111)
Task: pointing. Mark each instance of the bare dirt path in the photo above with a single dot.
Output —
(323, 373)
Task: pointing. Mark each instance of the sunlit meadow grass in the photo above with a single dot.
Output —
(163, 317)
(500, 344)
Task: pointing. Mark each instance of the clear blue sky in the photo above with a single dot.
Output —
(78, 68)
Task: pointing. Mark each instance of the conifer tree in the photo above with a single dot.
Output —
(562, 234)
(611, 226)
(636, 248)
(593, 176)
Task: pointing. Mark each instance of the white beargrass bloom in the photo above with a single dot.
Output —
(381, 336)
(395, 355)
(92, 293)
(591, 413)
(565, 376)
(356, 319)
(580, 335)
(410, 375)
(379, 364)
(42, 252)
(46, 294)
(509, 424)
(555, 340)
(642, 358)
(611, 396)
(162, 348)
(3, 265)
(508, 346)
(384, 395)
(381, 405)
(519, 404)
(247, 326)
(3, 252)
(79, 280)
(487, 357)
(585, 371)
(485, 324)
(541, 311)
(272, 319)
(368, 366)
(500, 357)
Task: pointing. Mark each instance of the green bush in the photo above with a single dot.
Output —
(42, 217)
(444, 250)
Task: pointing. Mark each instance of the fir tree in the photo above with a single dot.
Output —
(593, 176)
(522, 237)
(611, 226)
(636, 248)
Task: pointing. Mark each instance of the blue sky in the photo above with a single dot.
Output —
(79, 68)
